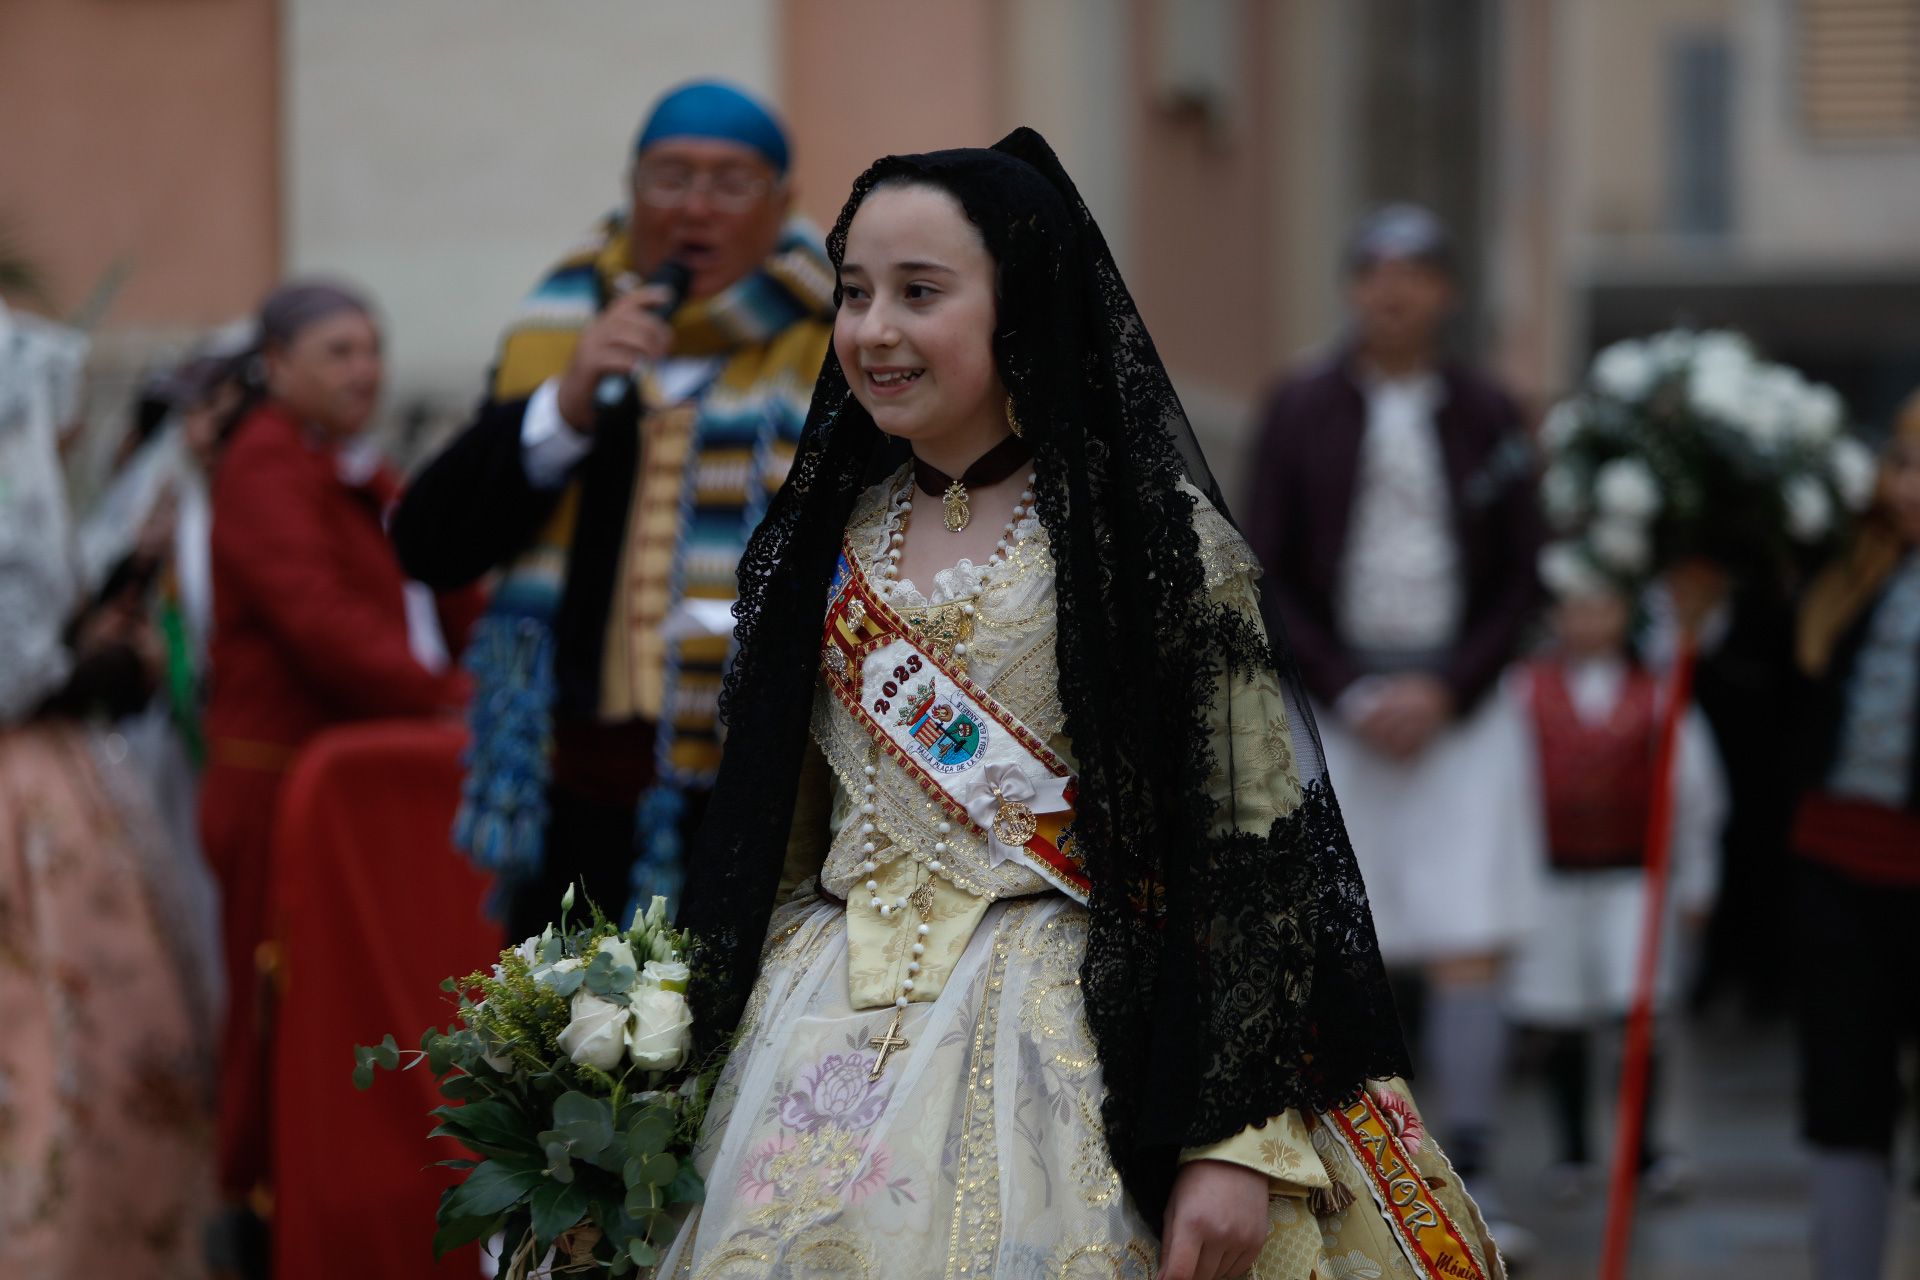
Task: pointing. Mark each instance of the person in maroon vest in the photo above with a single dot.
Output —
(1595, 713)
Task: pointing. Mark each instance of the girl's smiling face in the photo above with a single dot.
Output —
(914, 333)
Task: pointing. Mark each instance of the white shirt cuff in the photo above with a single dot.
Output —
(549, 448)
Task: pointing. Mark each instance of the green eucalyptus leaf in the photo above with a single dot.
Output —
(687, 1186)
(363, 1076)
(658, 1170)
(439, 1051)
(586, 1123)
(642, 1253)
(565, 984)
(651, 1133)
(387, 1054)
(641, 1202)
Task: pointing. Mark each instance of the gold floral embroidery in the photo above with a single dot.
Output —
(829, 1252)
(973, 1239)
(1134, 1261)
(942, 627)
(1093, 1170)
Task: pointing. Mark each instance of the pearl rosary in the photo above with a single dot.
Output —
(921, 899)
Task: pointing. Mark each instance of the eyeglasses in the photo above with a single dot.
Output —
(730, 190)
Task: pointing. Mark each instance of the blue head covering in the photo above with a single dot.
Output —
(712, 109)
(1407, 232)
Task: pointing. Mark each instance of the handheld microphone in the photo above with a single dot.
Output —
(672, 275)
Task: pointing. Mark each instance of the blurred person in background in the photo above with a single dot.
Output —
(105, 1164)
(618, 528)
(158, 503)
(1393, 507)
(1594, 709)
(1858, 834)
(314, 624)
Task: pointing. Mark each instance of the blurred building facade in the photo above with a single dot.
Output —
(1610, 166)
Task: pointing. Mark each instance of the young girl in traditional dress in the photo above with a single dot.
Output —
(1594, 711)
(1023, 884)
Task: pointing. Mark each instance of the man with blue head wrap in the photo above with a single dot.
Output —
(618, 528)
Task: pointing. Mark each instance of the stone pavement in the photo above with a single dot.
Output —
(1730, 1109)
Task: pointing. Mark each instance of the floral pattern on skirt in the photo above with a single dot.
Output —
(979, 1150)
(105, 1131)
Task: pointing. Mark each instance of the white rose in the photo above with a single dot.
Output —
(1809, 510)
(1563, 496)
(661, 1029)
(1773, 401)
(597, 1033)
(1672, 348)
(1559, 427)
(1567, 571)
(669, 975)
(1627, 487)
(1622, 544)
(1720, 383)
(1820, 413)
(1855, 472)
(1722, 346)
(1625, 370)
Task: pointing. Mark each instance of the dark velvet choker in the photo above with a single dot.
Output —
(991, 467)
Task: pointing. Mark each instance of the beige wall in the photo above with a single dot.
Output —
(444, 152)
(1802, 201)
(143, 134)
(864, 78)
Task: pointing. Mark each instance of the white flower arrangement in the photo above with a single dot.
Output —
(1687, 443)
(580, 1094)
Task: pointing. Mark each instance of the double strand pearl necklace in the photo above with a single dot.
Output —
(1011, 536)
(921, 899)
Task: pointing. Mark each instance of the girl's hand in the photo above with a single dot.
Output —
(1216, 1222)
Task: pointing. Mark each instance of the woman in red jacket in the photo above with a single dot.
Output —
(314, 624)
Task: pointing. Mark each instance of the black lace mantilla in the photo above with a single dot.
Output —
(1229, 975)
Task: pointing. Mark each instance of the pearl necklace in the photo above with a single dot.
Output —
(921, 899)
(1011, 536)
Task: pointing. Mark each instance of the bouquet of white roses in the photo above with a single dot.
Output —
(569, 1073)
(1686, 444)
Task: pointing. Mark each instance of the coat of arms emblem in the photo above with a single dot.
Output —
(948, 734)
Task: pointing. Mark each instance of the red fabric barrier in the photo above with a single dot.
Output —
(374, 909)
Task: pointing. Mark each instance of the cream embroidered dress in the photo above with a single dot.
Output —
(977, 1149)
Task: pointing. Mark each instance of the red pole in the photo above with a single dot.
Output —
(1624, 1180)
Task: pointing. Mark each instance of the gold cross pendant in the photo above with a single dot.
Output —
(886, 1043)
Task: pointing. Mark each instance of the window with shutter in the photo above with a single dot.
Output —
(1860, 69)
